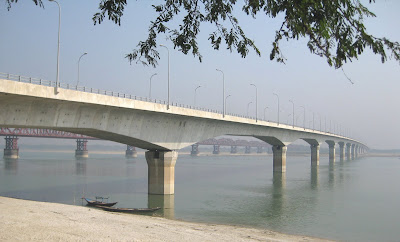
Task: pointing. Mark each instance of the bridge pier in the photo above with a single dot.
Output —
(233, 149)
(279, 158)
(247, 150)
(259, 150)
(332, 154)
(341, 151)
(195, 150)
(314, 154)
(11, 150)
(161, 171)
(348, 151)
(130, 152)
(352, 151)
(81, 149)
(216, 150)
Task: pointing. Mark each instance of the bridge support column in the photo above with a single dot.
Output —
(341, 151)
(279, 158)
(81, 149)
(11, 150)
(259, 149)
(161, 171)
(332, 154)
(314, 155)
(348, 151)
(195, 150)
(216, 150)
(247, 150)
(352, 151)
(130, 152)
(233, 149)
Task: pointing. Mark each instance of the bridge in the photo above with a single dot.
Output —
(159, 127)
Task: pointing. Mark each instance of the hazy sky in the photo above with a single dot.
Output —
(369, 108)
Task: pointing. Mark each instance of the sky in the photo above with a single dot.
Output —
(367, 110)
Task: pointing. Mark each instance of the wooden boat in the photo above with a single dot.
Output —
(91, 202)
(128, 210)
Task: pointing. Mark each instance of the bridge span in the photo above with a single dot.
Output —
(160, 128)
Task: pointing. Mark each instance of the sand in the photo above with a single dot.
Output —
(22, 220)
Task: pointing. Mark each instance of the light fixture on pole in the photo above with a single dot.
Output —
(256, 100)
(223, 93)
(304, 117)
(248, 108)
(58, 47)
(278, 106)
(264, 112)
(293, 111)
(225, 101)
(79, 61)
(150, 85)
(195, 91)
(168, 73)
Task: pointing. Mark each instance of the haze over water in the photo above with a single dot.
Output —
(351, 200)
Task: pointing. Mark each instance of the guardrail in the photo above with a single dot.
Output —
(42, 82)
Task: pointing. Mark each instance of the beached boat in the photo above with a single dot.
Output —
(91, 202)
(128, 210)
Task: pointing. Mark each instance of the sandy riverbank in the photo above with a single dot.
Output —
(29, 220)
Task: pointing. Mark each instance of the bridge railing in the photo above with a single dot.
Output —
(65, 85)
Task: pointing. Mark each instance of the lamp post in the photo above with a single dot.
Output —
(248, 108)
(313, 121)
(79, 61)
(168, 73)
(223, 93)
(256, 100)
(320, 127)
(264, 112)
(58, 46)
(225, 101)
(278, 106)
(304, 118)
(150, 85)
(293, 111)
(195, 91)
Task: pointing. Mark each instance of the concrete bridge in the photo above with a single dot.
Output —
(160, 128)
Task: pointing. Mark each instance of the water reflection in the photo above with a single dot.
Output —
(314, 177)
(278, 192)
(331, 179)
(80, 167)
(166, 202)
(11, 165)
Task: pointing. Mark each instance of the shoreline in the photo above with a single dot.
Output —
(31, 220)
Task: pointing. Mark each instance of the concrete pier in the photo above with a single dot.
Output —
(216, 150)
(247, 150)
(233, 149)
(341, 151)
(11, 150)
(314, 154)
(332, 152)
(130, 152)
(161, 171)
(81, 151)
(353, 151)
(195, 150)
(348, 151)
(279, 158)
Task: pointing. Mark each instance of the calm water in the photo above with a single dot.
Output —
(353, 201)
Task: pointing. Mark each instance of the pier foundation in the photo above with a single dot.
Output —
(130, 152)
(216, 150)
(233, 149)
(332, 154)
(11, 150)
(314, 154)
(161, 171)
(195, 150)
(247, 150)
(81, 151)
(341, 151)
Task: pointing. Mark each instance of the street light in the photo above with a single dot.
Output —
(248, 108)
(79, 61)
(293, 111)
(58, 46)
(168, 73)
(256, 100)
(320, 126)
(225, 101)
(264, 112)
(223, 93)
(304, 118)
(150, 85)
(195, 90)
(278, 106)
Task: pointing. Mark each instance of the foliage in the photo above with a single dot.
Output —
(334, 28)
